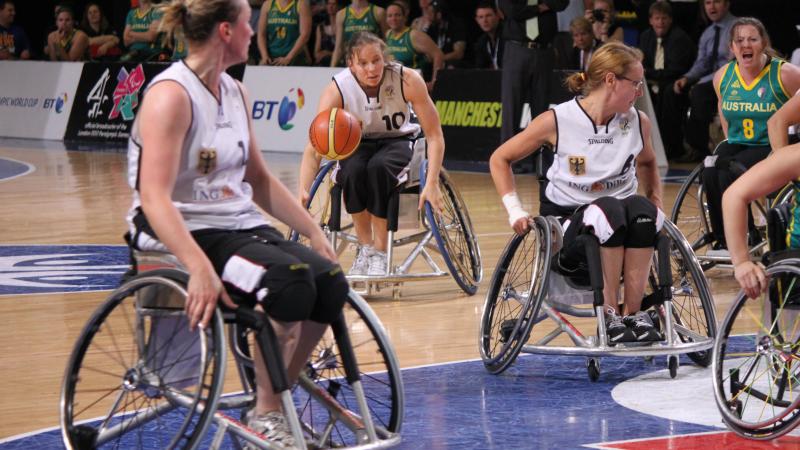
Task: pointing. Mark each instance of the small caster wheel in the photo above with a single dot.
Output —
(593, 367)
(672, 364)
(735, 406)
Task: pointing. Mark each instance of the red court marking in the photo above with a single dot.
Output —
(723, 440)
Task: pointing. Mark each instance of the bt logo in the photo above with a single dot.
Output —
(287, 108)
(57, 103)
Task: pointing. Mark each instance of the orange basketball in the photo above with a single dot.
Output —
(335, 133)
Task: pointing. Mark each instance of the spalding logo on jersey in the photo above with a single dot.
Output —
(577, 165)
(207, 160)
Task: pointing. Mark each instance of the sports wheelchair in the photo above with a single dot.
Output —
(138, 377)
(527, 288)
(690, 214)
(756, 359)
(452, 230)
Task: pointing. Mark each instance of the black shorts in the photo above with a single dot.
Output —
(632, 222)
(244, 259)
(376, 168)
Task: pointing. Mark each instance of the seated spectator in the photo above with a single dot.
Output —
(141, 34)
(360, 16)
(67, 43)
(14, 42)
(325, 40)
(448, 32)
(604, 23)
(668, 53)
(179, 46)
(713, 52)
(103, 40)
(583, 44)
(425, 20)
(489, 46)
(411, 48)
(284, 28)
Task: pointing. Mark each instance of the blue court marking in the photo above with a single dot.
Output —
(11, 168)
(37, 269)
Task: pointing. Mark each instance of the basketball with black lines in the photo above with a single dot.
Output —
(335, 133)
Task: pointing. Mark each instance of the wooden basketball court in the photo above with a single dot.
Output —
(81, 197)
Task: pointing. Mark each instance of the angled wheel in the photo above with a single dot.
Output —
(139, 375)
(380, 378)
(454, 234)
(693, 313)
(756, 362)
(516, 292)
(690, 215)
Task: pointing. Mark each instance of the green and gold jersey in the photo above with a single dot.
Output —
(283, 28)
(365, 21)
(399, 46)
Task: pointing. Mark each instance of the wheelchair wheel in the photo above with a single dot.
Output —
(319, 204)
(692, 304)
(454, 234)
(380, 378)
(518, 286)
(137, 373)
(757, 359)
(690, 215)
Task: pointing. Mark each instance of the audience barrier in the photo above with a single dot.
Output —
(97, 102)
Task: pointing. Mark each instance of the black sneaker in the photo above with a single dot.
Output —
(642, 327)
(616, 330)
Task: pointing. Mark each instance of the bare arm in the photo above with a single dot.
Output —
(541, 130)
(338, 49)
(148, 36)
(380, 17)
(262, 32)
(79, 45)
(160, 161)
(459, 47)
(417, 94)
(716, 82)
(767, 176)
(330, 98)
(423, 43)
(274, 198)
(647, 166)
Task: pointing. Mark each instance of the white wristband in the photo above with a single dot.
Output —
(514, 208)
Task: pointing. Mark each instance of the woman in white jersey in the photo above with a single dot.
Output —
(601, 143)
(381, 95)
(198, 175)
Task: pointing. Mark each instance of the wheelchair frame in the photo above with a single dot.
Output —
(757, 376)
(449, 234)
(500, 342)
(697, 223)
(155, 375)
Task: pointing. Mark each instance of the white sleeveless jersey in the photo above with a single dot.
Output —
(210, 191)
(593, 161)
(385, 116)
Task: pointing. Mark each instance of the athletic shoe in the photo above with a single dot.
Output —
(273, 426)
(377, 263)
(616, 330)
(361, 263)
(642, 327)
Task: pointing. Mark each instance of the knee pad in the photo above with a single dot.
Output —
(641, 232)
(290, 292)
(332, 290)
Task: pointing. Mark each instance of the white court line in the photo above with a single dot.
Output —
(31, 168)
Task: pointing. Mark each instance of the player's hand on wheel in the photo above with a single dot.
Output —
(203, 290)
(521, 225)
(432, 195)
(752, 278)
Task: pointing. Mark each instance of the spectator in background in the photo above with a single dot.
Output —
(712, 53)
(489, 46)
(604, 24)
(284, 28)
(325, 39)
(255, 14)
(103, 40)
(448, 32)
(14, 42)
(668, 54)
(411, 48)
(528, 59)
(141, 34)
(67, 43)
(360, 16)
(583, 44)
